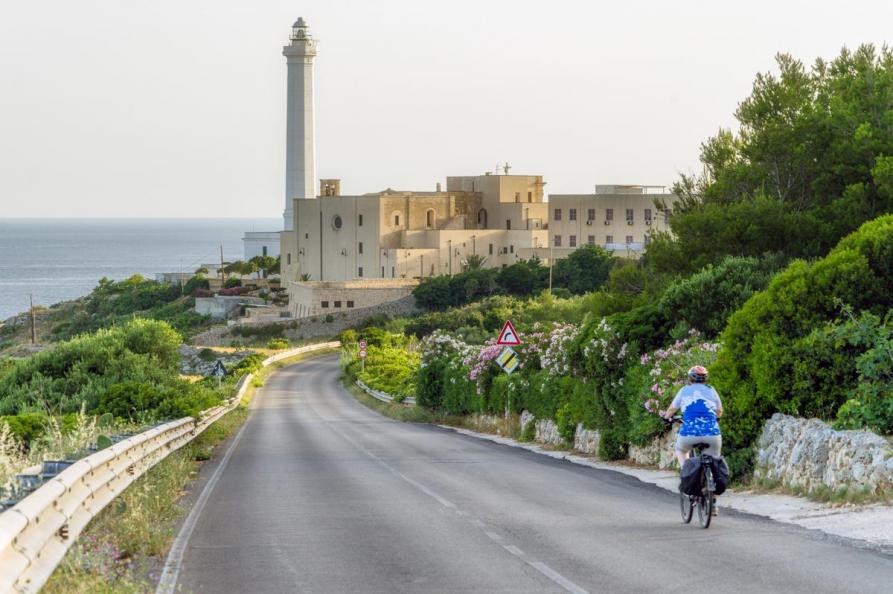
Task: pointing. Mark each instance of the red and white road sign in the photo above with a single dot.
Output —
(362, 353)
(508, 336)
(363, 344)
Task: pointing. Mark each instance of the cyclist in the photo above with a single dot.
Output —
(701, 407)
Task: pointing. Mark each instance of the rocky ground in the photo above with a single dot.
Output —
(201, 360)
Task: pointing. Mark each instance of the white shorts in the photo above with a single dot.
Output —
(684, 443)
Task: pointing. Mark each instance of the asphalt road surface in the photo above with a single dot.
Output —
(320, 494)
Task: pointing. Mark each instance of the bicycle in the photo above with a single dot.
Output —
(705, 500)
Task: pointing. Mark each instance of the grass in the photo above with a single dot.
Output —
(399, 412)
(122, 550)
(842, 495)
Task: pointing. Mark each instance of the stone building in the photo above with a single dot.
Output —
(334, 247)
(617, 218)
(404, 235)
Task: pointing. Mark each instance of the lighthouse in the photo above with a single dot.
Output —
(300, 141)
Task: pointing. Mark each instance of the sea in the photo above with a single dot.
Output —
(57, 260)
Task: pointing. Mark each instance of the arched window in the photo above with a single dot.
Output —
(430, 218)
(482, 218)
(395, 218)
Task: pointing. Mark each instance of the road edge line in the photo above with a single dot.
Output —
(171, 572)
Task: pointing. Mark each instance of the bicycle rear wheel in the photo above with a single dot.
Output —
(705, 501)
(686, 506)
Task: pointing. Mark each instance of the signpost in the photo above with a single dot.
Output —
(508, 336)
(362, 344)
(219, 371)
(508, 359)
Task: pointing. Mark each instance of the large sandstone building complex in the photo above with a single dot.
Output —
(340, 252)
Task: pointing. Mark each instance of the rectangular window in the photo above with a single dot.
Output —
(382, 272)
(360, 271)
(591, 240)
(392, 272)
(609, 214)
(511, 249)
(360, 248)
(629, 239)
(648, 214)
(529, 196)
(590, 214)
(557, 216)
(508, 224)
(288, 258)
(325, 305)
(491, 249)
(557, 240)
(359, 220)
(572, 242)
(629, 214)
(517, 196)
(350, 304)
(264, 249)
(572, 215)
(609, 239)
(337, 304)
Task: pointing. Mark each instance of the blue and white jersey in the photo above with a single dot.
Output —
(698, 403)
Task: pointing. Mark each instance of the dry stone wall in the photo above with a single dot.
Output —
(323, 325)
(659, 452)
(808, 453)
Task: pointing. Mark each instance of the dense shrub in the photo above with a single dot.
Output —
(779, 354)
(584, 270)
(80, 371)
(706, 299)
(113, 303)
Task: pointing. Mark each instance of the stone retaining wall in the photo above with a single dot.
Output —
(324, 325)
(808, 453)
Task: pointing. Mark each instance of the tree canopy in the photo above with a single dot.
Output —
(812, 159)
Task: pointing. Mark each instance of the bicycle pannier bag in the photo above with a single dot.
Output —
(720, 475)
(690, 482)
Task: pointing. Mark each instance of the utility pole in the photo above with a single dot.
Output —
(33, 321)
(221, 266)
(551, 259)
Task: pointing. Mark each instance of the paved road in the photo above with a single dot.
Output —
(322, 495)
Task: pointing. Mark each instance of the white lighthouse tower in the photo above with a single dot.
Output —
(300, 139)
(300, 142)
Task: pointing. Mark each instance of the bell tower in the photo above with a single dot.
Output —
(300, 141)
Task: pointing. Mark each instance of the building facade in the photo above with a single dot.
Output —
(398, 234)
(617, 218)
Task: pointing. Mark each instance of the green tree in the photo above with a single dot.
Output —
(264, 264)
(523, 278)
(473, 262)
(586, 269)
(809, 163)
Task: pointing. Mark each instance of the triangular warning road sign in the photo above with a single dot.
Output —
(508, 336)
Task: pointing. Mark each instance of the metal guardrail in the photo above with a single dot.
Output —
(36, 533)
(384, 396)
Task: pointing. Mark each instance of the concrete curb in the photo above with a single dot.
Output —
(871, 524)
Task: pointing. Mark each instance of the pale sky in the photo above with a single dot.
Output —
(177, 107)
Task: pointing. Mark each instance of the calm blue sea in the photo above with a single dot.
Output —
(60, 259)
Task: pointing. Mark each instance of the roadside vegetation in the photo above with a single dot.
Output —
(122, 551)
(778, 276)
